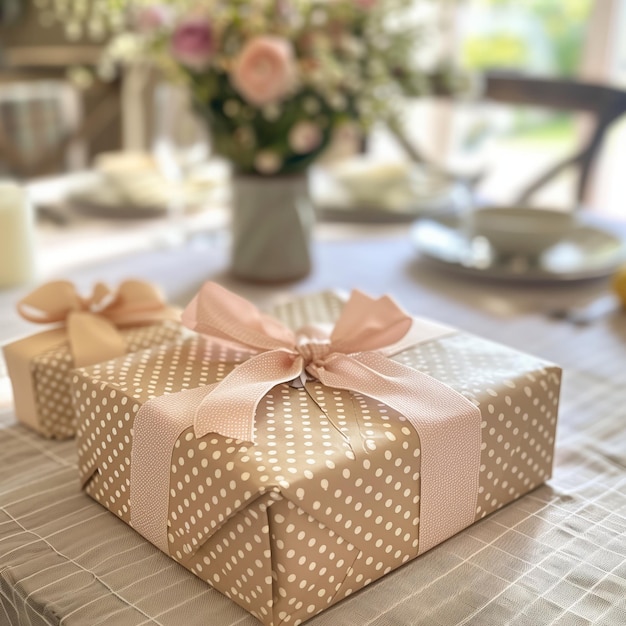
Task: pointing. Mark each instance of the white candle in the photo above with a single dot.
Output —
(17, 240)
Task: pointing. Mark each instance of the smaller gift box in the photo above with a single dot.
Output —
(85, 331)
(291, 461)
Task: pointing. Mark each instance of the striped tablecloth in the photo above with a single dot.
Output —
(557, 556)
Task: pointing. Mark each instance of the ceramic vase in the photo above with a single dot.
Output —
(272, 224)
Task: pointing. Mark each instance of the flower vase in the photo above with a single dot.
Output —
(272, 224)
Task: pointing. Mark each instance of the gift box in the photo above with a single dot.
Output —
(83, 331)
(289, 469)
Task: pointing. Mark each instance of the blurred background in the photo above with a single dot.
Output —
(57, 114)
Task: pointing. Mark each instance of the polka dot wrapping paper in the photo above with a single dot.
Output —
(327, 500)
(50, 411)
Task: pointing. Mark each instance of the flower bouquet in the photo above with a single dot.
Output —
(274, 78)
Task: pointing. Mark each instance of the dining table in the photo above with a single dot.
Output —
(556, 556)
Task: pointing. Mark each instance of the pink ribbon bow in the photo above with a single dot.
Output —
(348, 358)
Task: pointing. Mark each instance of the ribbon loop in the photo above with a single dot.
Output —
(50, 303)
(241, 391)
(102, 298)
(367, 324)
(219, 313)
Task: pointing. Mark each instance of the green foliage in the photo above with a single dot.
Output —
(502, 50)
(563, 21)
(242, 135)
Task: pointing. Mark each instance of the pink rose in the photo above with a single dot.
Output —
(152, 18)
(193, 42)
(265, 70)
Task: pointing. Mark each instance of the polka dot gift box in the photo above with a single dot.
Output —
(82, 331)
(289, 461)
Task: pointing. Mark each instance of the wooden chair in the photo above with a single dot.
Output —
(606, 105)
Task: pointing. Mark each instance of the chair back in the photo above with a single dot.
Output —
(605, 104)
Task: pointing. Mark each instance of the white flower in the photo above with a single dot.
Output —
(267, 162)
(305, 137)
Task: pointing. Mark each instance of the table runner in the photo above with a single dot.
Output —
(557, 556)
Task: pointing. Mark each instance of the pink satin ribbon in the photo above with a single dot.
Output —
(354, 356)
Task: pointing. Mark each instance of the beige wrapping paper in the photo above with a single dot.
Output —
(40, 368)
(326, 501)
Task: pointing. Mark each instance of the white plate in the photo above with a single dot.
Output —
(395, 201)
(352, 212)
(147, 194)
(587, 252)
(100, 200)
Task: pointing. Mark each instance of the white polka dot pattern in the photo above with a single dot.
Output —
(518, 396)
(51, 372)
(323, 504)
